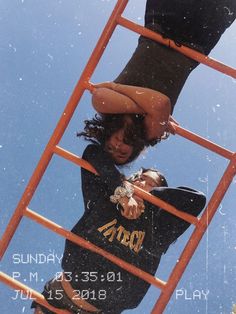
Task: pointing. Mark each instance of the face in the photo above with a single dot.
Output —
(148, 180)
(119, 151)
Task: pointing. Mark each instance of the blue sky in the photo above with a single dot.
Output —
(44, 47)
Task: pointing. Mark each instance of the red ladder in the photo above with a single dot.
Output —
(52, 148)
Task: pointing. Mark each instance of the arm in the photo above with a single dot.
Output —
(182, 198)
(110, 176)
(104, 165)
(118, 98)
(131, 209)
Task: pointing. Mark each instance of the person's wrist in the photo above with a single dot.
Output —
(120, 192)
(123, 201)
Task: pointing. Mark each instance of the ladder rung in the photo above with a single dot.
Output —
(90, 246)
(191, 53)
(204, 142)
(29, 292)
(74, 158)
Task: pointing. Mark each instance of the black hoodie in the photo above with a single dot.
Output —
(140, 242)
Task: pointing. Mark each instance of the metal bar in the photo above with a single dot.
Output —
(141, 193)
(61, 126)
(191, 53)
(90, 246)
(74, 158)
(169, 208)
(30, 293)
(195, 238)
(203, 142)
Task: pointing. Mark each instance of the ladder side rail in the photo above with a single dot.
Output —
(74, 158)
(196, 236)
(191, 53)
(61, 126)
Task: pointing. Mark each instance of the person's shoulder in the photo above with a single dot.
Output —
(180, 193)
(179, 189)
(194, 195)
(91, 149)
(189, 190)
(97, 156)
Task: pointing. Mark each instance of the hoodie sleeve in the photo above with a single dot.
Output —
(182, 198)
(104, 165)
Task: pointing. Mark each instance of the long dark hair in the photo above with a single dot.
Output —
(100, 128)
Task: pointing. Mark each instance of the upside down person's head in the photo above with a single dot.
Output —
(148, 178)
(121, 135)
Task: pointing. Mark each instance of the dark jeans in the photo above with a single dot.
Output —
(197, 24)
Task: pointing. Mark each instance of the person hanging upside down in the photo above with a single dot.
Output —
(119, 222)
(151, 106)
(153, 67)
